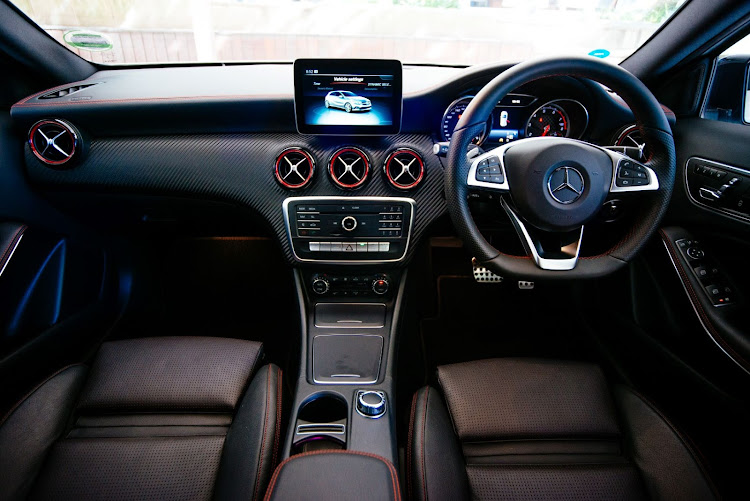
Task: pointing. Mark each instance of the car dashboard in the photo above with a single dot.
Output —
(228, 134)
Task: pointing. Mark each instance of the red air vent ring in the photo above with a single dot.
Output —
(349, 168)
(51, 140)
(294, 168)
(414, 173)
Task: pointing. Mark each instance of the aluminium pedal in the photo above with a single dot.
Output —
(484, 276)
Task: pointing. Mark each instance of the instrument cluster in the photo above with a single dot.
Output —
(519, 116)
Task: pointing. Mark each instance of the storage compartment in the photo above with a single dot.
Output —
(352, 315)
(321, 424)
(347, 358)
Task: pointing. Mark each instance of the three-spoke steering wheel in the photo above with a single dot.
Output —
(551, 187)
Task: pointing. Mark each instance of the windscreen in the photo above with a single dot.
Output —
(449, 32)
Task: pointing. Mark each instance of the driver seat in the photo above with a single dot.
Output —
(538, 429)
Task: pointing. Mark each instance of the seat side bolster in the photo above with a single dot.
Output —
(668, 465)
(32, 426)
(435, 463)
(251, 448)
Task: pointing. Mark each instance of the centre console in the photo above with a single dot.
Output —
(349, 229)
(344, 395)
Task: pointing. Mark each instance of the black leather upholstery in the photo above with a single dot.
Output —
(335, 474)
(156, 418)
(536, 429)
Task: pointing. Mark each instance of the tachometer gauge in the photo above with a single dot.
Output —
(453, 114)
(549, 120)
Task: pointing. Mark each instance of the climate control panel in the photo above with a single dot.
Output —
(350, 286)
(345, 229)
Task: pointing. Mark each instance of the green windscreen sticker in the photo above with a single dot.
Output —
(87, 40)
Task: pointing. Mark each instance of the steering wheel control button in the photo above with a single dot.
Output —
(371, 403)
(630, 173)
(349, 223)
(489, 171)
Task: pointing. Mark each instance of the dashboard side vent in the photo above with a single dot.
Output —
(65, 92)
(54, 142)
(349, 167)
(404, 168)
(294, 168)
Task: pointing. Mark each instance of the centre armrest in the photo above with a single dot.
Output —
(334, 475)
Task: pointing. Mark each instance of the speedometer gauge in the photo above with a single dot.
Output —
(549, 120)
(453, 114)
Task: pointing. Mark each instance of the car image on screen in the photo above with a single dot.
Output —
(347, 101)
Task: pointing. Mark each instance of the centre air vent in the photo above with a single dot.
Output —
(631, 136)
(404, 168)
(55, 142)
(349, 167)
(294, 168)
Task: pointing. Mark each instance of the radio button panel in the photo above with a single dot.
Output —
(349, 229)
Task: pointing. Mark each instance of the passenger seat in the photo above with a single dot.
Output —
(153, 418)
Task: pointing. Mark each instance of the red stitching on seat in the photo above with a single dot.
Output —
(277, 434)
(409, 489)
(263, 443)
(424, 428)
(391, 469)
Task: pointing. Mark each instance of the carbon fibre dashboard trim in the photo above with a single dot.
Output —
(239, 168)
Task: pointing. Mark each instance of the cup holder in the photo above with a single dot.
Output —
(321, 424)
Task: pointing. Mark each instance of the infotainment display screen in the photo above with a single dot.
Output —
(347, 96)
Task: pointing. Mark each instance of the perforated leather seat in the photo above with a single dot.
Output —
(535, 429)
(154, 418)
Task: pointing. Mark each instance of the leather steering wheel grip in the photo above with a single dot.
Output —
(653, 126)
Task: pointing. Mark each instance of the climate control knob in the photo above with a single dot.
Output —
(380, 285)
(349, 223)
(320, 285)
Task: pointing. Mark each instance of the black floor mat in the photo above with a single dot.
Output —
(230, 287)
(477, 321)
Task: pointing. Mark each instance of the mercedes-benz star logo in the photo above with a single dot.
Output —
(565, 185)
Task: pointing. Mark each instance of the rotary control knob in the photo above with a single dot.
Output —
(349, 223)
(380, 285)
(371, 403)
(320, 285)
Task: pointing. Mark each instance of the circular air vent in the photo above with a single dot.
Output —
(349, 167)
(55, 142)
(631, 136)
(404, 168)
(294, 168)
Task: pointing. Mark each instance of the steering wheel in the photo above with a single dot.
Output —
(551, 187)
